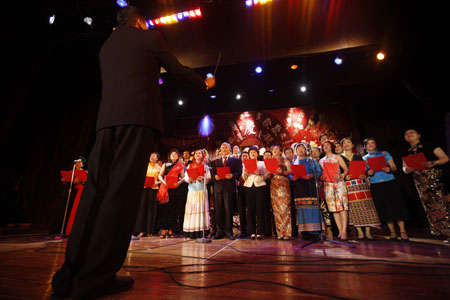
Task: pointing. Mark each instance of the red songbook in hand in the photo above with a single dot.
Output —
(149, 181)
(223, 171)
(357, 168)
(298, 171)
(67, 175)
(329, 170)
(415, 161)
(194, 173)
(377, 163)
(271, 165)
(171, 180)
(81, 175)
(250, 165)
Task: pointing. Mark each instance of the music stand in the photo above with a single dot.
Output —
(62, 235)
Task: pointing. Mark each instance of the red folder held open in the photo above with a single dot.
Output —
(194, 173)
(171, 181)
(223, 171)
(329, 170)
(357, 168)
(250, 165)
(298, 171)
(271, 165)
(377, 163)
(415, 161)
(149, 181)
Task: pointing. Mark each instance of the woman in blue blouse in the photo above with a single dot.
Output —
(386, 193)
(309, 216)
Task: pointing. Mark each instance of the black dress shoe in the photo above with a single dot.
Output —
(218, 237)
(230, 237)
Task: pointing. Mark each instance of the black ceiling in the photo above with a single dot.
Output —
(309, 33)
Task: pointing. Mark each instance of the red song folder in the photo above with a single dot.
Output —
(298, 171)
(171, 180)
(329, 170)
(357, 168)
(415, 161)
(223, 171)
(271, 165)
(377, 163)
(194, 173)
(80, 174)
(250, 165)
(149, 181)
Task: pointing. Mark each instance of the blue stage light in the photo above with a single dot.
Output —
(258, 69)
(206, 126)
(209, 75)
(338, 61)
(213, 96)
(122, 3)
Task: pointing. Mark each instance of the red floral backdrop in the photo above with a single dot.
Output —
(263, 128)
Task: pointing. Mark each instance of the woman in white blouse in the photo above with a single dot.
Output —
(254, 186)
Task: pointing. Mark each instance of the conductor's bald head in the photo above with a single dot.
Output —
(130, 15)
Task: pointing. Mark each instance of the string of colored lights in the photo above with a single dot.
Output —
(250, 3)
(169, 19)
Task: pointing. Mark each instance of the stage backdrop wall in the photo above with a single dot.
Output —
(263, 128)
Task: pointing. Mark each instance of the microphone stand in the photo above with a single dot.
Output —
(322, 236)
(204, 239)
(62, 235)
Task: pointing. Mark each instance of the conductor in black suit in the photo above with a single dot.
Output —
(225, 192)
(129, 117)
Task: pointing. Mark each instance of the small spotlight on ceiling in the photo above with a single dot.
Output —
(122, 3)
(160, 81)
(258, 70)
(180, 102)
(271, 91)
(380, 56)
(338, 61)
(303, 89)
(88, 21)
(209, 75)
(238, 96)
(51, 19)
(213, 96)
(294, 67)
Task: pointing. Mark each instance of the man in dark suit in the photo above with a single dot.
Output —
(130, 115)
(225, 192)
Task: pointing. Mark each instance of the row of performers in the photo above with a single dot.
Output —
(266, 200)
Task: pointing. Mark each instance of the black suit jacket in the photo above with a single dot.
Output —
(228, 185)
(130, 63)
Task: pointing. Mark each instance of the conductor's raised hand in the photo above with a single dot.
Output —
(210, 82)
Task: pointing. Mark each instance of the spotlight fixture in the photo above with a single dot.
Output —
(213, 96)
(180, 102)
(122, 3)
(338, 61)
(238, 96)
(51, 19)
(88, 20)
(303, 89)
(160, 81)
(258, 70)
(209, 75)
(380, 56)
(294, 67)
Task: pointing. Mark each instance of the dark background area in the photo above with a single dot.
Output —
(52, 86)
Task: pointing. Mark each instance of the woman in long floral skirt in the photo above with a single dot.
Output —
(280, 195)
(432, 184)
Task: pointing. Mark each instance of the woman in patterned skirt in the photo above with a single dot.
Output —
(335, 192)
(362, 211)
(280, 195)
(196, 215)
(432, 184)
(386, 194)
(309, 216)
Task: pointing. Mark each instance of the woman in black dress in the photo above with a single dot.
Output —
(432, 183)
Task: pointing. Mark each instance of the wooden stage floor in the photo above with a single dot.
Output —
(245, 269)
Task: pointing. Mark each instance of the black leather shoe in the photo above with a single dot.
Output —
(218, 237)
(230, 237)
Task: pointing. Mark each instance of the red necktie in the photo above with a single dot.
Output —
(224, 161)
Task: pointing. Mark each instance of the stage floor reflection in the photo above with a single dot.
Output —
(245, 269)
